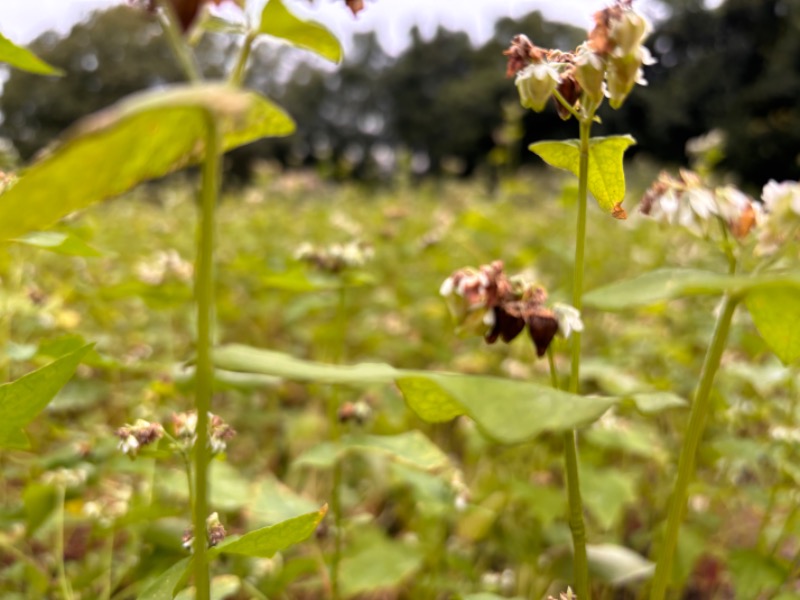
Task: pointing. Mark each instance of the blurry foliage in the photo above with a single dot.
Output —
(435, 107)
(481, 518)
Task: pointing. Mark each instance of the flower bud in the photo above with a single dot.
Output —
(536, 84)
(623, 73)
(590, 73)
(628, 32)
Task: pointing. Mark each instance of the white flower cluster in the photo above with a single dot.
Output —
(686, 202)
(782, 222)
(336, 257)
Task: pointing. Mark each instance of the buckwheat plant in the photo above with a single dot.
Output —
(759, 241)
(606, 66)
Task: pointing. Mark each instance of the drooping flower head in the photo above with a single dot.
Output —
(486, 302)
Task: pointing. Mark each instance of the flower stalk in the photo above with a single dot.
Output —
(204, 378)
(701, 407)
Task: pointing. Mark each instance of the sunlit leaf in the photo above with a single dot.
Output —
(651, 403)
(23, 59)
(668, 284)
(277, 21)
(58, 242)
(165, 586)
(606, 175)
(222, 587)
(265, 542)
(142, 137)
(412, 448)
(507, 410)
(618, 565)
(23, 399)
(776, 314)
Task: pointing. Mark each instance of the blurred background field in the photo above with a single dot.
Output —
(422, 159)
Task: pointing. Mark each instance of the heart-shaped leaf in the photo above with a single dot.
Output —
(265, 542)
(507, 410)
(277, 21)
(668, 284)
(23, 59)
(23, 399)
(776, 314)
(142, 137)
(606, 177)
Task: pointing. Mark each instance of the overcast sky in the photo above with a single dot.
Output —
(23, 20)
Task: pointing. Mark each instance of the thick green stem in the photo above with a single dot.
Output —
(204, 378)
(169, 24)
(237, 75)
(576, 522)
(701, 407)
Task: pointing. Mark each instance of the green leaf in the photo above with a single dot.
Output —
(755, 574)
(274, 502)
(606, 175)
(668, 284)
(265, 542)
(411, 448)
(22, 58)
(618, 565)
(776, 314)
(607, 492)
(142, 137)
(165, 586)
(58, 242)
(507, 410)
(23, 399)
(277, 21)
(373, 562)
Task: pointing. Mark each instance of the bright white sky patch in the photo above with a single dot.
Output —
(23, 20)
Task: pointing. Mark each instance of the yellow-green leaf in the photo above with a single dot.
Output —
(58, 242)
(507, 410)
(776, 314)
(23, 59)
(277, 21)
(142, 137)
(23, 399)
(606, 178)
(265, 542)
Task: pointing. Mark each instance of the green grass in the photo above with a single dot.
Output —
(402, 531)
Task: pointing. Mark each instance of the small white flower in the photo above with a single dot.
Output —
(569, 319)
(129, 445)
(447, 287)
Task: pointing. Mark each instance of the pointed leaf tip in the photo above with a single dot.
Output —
(279, 22)
(606, 178)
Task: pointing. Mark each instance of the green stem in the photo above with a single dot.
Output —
(169, 24)
(66, 590)
(576, 522)
(105, 594)
(567, 105)
(701, 407)
(237, 75)
(336, 433)
(204, 377)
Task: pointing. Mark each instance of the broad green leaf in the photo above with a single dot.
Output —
(165, 586)
(23, 59)
(58, 242)
(412, 448)
(668, 284)
(755, 575)
(142, 137)
(277, 21)
(23, 399)
(265, 542)
(606, 175)
(507, 410)
(618, 565)
(373, 562)
(606, 493)
(776, 314)
(274, 502)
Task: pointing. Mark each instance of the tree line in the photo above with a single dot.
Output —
(444, 105)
